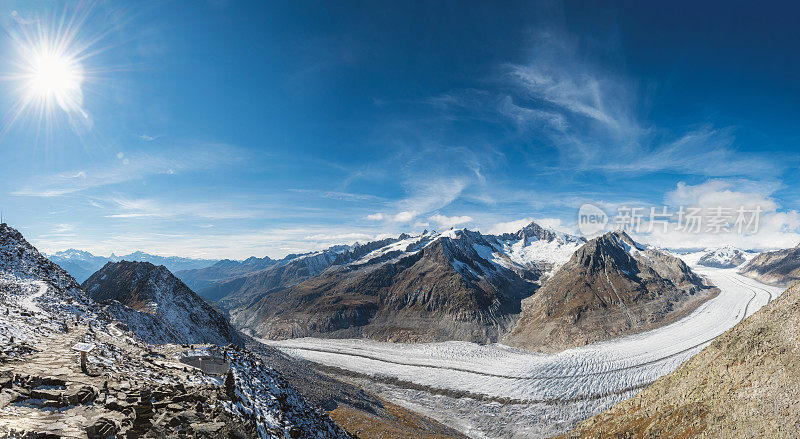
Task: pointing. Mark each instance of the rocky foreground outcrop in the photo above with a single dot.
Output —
(610, 287)
(134, 391)
(126, 388)
(780, 267)
(745, 384)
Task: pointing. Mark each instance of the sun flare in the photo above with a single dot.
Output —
(54, 76)
(49, 75)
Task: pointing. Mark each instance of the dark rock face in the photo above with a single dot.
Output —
(156, 305)
(611, 286)
(781, 267)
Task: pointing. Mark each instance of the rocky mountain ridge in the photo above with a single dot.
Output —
(456, 285)
(723, 257)
(611, 286)
(780, 267)
(157, 306)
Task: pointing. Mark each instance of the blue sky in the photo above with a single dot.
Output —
(230, 129)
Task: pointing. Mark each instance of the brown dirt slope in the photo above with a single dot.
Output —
(746, 384)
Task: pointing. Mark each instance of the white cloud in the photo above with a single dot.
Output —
(509, 226)
(375, 217)
(776, 229)
(726, 193)
(404, 216)
(450, 221)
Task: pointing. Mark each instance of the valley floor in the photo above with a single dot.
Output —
(497, 391)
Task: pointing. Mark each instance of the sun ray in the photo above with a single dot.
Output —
(49, 72)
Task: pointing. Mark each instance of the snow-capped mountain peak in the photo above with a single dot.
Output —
(723, 257)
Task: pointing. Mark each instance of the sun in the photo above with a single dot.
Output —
(48, 73)
(54, 76)
(53, 79)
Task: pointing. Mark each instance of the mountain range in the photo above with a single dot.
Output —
(536, 288)
(780, 267)
(455, 285)
(81, 264)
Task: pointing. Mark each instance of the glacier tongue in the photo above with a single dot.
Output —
(470, 386)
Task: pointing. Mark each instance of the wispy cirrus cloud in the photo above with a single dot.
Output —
(592, 117)
(135, 166)
(151, 208)
(596, 121)
(423, 197)
(338, 195)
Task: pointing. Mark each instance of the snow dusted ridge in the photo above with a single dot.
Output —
(541, 394)
(455, 285)
(779, 267)
(157, 305)
(43, 314)
(531, 248)
(22, 261)
(232, 284)
(258, 392)
(610, 287)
